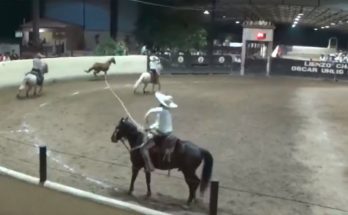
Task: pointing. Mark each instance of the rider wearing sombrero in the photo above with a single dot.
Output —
(161, 130)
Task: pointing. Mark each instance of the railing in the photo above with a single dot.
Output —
(44, 153)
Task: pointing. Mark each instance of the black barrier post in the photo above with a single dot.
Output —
(43, 164)
(214, 196)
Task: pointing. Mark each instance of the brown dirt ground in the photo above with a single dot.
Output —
(279, 144)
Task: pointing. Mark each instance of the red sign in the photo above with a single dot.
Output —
(261, 36)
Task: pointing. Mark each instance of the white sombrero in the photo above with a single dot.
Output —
(165, 100)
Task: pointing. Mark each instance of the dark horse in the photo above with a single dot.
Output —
(98, 67)
(186, 157)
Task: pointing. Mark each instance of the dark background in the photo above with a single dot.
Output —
(13, 12)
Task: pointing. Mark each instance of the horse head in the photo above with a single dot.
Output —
(123, 129)
(112, 60)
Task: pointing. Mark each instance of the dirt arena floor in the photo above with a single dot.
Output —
(280, 144)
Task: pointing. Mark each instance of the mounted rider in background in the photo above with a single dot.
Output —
(38, 69)
(155, 67)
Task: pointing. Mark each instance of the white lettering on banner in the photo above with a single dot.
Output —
(304, 69)
(332, 71)
(318, 64)
(341, 66)
(321, 67)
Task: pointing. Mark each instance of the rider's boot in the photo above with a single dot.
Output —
(148, 164)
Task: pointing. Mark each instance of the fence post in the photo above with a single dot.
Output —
(43, 164)
(214, 196)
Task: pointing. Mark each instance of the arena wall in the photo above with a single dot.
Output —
(12, 72)
(22, 194)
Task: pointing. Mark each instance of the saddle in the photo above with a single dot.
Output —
(168, 144)
(39, 76)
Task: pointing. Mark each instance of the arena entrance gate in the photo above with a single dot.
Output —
(257, 48)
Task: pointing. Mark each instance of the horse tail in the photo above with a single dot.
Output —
(138, 81)
(207, 169)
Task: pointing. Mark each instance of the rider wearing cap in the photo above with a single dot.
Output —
(161, 130)
(37, 68)
(154, 67)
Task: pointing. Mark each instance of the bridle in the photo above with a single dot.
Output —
(125, 145)
(130, 150)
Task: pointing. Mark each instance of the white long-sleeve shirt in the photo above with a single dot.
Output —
(154, 62)
(37, 64)
(163, 122)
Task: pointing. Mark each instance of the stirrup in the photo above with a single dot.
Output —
(167, 157)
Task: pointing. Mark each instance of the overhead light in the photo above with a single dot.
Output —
(295, 23)
(224, 17)
(206, 12)
(297, 18)
(327, 26)
(300, 14)
(322, 27)
(333, 24)
(294, 26)
(237, 22)
(315, 29)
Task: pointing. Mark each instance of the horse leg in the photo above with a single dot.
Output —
(192, 182)
(19, 93)
(153, 88)
(148, 183)
(35, 89)
(135, 172)
(18, 96)
(145, 85)
(28, 90)
(195, 184)
(159, 86)
(40, 89)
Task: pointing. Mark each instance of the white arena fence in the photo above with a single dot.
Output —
(12, 72)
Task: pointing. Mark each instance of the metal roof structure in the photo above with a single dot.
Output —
(322, 14)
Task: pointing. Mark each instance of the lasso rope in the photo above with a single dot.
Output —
(122, 103)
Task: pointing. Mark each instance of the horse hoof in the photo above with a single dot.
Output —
(130, 193)
(147, 196)
(198, 201)
(186, 207)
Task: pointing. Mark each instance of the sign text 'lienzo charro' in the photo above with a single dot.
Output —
(321, 67)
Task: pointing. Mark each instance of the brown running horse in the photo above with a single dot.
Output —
(186, 157)
(101, 67)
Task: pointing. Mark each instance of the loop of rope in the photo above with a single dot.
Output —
(122, 104)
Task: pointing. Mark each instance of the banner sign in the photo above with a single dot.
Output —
(309, 68)
(322, 68)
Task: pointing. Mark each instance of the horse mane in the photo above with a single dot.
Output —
(131, 127)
